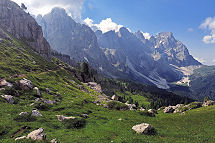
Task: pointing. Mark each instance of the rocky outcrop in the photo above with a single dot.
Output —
(22, 25)
(144, 128)
(95, 86)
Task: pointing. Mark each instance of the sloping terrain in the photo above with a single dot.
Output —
(74, 98)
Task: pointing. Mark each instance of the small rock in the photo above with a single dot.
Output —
(37, 91)
(9, 98)
(120, 119)
(23, 113)
(4, 83)
(32, 104)
(84, 116)
(131, 106)
(20, 138)
(144, 128)
(25, 84)
(37, 135)
(61, 117)
(36, 113)
(114, 97)
(1, 89)
(152, 111)
(49, 102)
(54, 141)
(48, 90)
(142, 109)
(169, 109)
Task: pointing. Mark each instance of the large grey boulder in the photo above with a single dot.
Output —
(9, 98)
(25, 84)
(144, 128)
(37, 135)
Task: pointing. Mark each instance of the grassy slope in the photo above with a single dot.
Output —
(103, 124)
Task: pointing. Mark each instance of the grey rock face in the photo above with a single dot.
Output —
(119, 54)
(22, 26)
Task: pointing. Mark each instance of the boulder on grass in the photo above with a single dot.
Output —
(9, 98)
(54, 141)
(37, 135)
(25, 84)
(144, 128)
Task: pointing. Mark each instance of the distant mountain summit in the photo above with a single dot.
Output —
(121, 54)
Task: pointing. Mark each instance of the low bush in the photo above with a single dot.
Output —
(76, 123)
(114, 105)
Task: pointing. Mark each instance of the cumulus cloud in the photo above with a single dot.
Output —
(209, 24)
(146, 35)
(105, 25)
(35, 7)
(213, 60)
(201, 60)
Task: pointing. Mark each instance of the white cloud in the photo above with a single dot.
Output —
(105, 25)
(146, 35)
(209, 24)
(201, 60)
(73, 7)
(213, 60)
(190, 29)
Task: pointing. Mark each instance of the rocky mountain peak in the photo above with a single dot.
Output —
(21, 25)
(57, 11)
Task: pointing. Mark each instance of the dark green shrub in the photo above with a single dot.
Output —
(76, 123)
(42, 106)
(3, 130)
(146, 113)
(114, 105)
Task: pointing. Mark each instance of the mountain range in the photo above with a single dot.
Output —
(119, 54)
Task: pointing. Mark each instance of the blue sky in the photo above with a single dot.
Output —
(182, 17)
